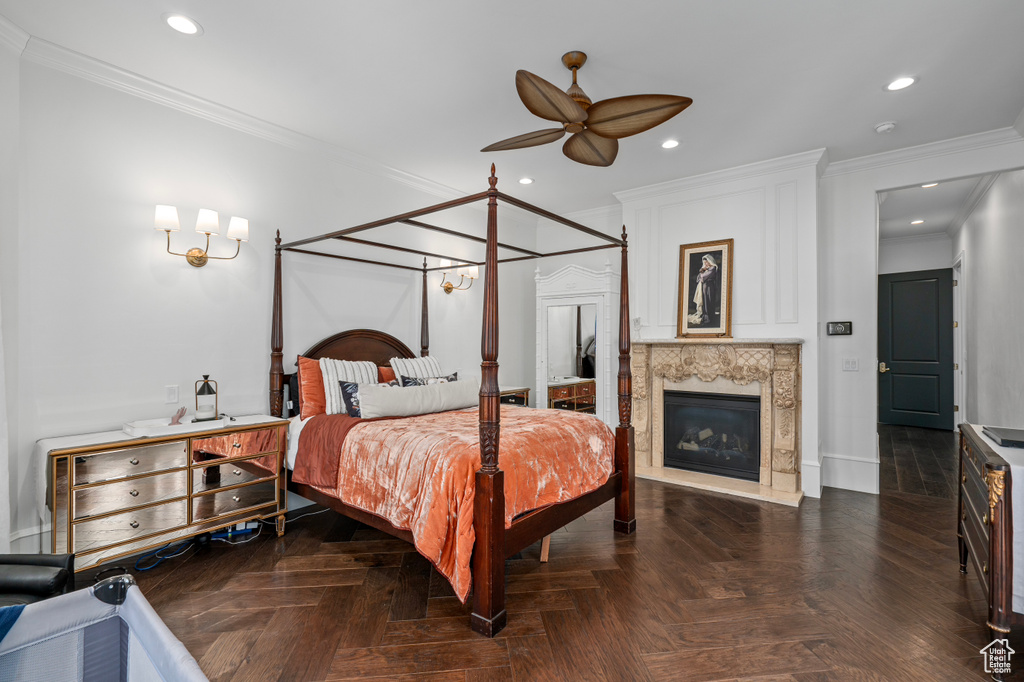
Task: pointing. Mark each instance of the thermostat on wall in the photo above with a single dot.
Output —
(840, 328)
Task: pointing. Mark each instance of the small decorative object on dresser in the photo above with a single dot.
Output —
(206, 399)
(111, 495)
(986, 524)
(705, 289)
(576, 395)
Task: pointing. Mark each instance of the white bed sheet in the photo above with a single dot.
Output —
(295, 426)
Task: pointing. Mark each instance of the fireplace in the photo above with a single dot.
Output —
(713, 433)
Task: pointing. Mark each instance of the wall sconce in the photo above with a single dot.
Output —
(207, 223)
(469, 272)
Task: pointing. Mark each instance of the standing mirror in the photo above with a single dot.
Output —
(575, 368)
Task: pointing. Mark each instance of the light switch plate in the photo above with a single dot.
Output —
(171, 395)
(851, 365)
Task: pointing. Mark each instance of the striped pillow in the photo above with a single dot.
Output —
(418, 368)
(335, 371)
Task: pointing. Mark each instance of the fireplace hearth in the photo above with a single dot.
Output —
(713, 433)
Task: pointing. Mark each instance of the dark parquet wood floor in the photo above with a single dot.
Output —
(917, 461)
(848, 587)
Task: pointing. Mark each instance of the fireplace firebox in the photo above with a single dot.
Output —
(713, 433)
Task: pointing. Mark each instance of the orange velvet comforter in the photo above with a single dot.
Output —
(419, 472)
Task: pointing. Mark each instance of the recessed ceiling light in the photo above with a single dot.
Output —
(930, 184)
(183, 24)
(885, 127)
(525, 181)
(900, 83)
(916, 222)
(670, 144)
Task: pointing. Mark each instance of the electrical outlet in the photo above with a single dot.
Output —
(171, 395)
(851, 365)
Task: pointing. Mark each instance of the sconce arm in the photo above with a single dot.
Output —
(238, 248)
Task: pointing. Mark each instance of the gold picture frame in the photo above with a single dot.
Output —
(705, 289)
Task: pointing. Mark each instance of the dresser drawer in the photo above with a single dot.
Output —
(585, 389)
(111, 497)
(229, 501)
(512, 399)
(975, 491)
(225, 474)
(111, 465)
(559, 392)
(109, 530)
(235, 445)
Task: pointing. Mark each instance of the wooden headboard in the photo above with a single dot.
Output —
(360, 344)
(353, 345)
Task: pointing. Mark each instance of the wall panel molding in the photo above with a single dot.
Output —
(787, 274)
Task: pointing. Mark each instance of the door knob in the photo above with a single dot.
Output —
(882, 368)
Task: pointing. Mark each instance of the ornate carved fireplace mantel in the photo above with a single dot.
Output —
(766, 367)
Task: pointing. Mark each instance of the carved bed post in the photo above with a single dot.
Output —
(424, 320)
(277, 339)
(489, 615)
(625, 503)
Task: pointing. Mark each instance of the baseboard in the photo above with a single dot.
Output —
(810, 477)
(849, 473)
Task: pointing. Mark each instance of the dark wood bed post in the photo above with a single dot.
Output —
(424, 321)
(277, 339)
(489, 615)
(625, 502)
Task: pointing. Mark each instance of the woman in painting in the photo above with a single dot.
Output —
(705, 293)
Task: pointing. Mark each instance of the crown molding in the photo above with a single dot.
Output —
(927, 237)
(76, 64)
(12, 36)
(971, 202)
(956, 145)
(778, 165)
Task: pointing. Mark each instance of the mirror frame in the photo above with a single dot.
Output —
(574, 285)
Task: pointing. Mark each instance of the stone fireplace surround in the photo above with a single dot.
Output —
(766, 367)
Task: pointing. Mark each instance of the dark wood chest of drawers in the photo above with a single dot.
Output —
(985, 526)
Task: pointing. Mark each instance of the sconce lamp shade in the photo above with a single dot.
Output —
(470, 271)
(167, 219)
(446, 266)
(238, 229)
(207, 222)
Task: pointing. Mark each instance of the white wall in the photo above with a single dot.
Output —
(770, 211)
(848, 243)
(10, 48)
(992, 242)
(98, 318)
(910, 254)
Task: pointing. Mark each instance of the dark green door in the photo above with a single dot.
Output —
(915, 349)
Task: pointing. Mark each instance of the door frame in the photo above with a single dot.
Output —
(960, 339)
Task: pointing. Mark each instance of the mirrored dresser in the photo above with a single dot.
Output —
(112, 495)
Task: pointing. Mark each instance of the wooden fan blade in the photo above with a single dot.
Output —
(625, 116)
(546, 100)
(528, 140)
(591, 149)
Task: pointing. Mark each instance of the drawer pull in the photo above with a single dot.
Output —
(134, 524)
(236, 445)
(236, 498)
(984, 568)
(133, 493)
(963, 514)
(963, 479)
(984, 520)
(237, 472)
(133, 461)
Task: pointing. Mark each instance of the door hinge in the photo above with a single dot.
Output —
(956, 282)
(956, 324)
(956, 408)
(956, 365)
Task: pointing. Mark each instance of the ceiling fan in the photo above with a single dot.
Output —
(595, 126)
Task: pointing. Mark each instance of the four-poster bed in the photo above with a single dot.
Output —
(494, 542)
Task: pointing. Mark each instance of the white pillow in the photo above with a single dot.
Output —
(376, 401)
(336, 371)
(418, 368)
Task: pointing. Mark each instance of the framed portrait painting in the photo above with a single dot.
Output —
(705, 289)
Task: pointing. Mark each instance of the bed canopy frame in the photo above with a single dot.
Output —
(494, 543)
